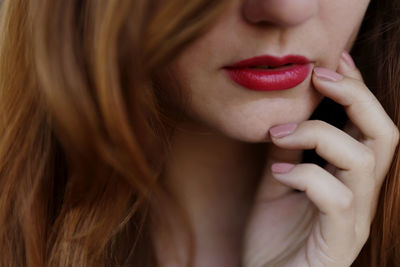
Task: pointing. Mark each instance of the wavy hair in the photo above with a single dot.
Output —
(85, 125)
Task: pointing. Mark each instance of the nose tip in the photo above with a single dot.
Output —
(279, 12)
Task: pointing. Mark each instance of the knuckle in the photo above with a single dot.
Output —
(390, 136)
(366, 160)
(345, 202)
(395, 135)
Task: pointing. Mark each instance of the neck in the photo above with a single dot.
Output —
(213, 178)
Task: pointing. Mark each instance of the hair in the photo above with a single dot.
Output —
(85, 126)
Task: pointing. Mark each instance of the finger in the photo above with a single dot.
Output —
(364, 110)
(334, 200)
(270, 189)
(348, 67)
(317, 183)
(355, 161)
(329, 142)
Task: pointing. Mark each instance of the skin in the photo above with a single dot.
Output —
(220, 171)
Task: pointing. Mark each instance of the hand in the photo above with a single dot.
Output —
(328, 222)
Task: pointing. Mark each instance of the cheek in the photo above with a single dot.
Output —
(339, 23)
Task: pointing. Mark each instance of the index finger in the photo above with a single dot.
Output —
(362, 107)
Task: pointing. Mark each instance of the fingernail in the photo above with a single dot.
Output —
(282, 130)
(348, 59)
(328, 75)
(281, 167)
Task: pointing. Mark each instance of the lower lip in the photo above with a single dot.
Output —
(270, 79)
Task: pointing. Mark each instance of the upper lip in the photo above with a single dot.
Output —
(269, 60)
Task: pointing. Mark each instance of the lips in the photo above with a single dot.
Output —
(269, 73)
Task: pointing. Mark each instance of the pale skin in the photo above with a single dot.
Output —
(232, 151)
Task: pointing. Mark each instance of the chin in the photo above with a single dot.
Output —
(252, 121)
(254, 129)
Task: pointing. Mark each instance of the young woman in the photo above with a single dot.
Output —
(175, 133)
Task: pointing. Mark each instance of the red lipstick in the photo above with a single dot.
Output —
(269, 73)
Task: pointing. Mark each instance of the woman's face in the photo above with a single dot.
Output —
(317, 29)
